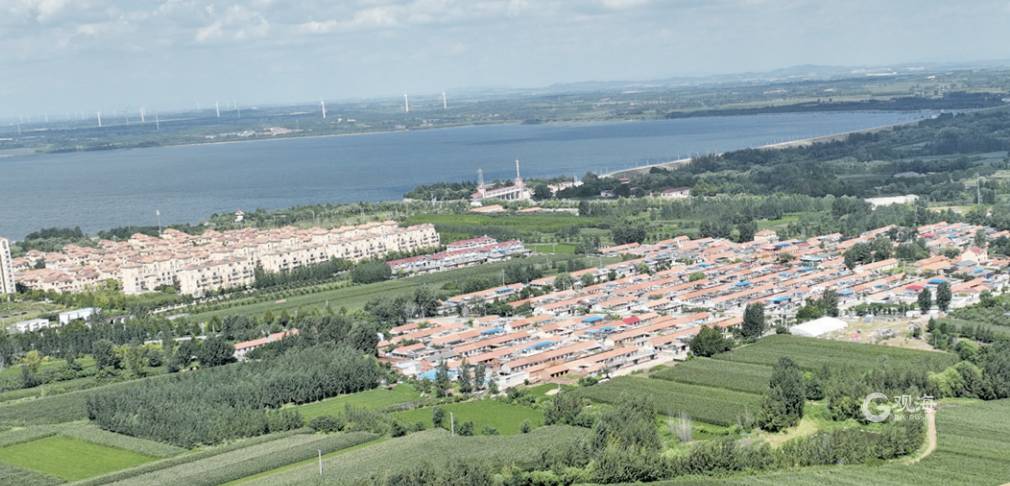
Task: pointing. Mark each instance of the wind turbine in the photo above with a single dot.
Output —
(217, 109)
(141, 114)
(156, 123)
(323, 105)
(444, 106)
(406, 105)
(99, 114)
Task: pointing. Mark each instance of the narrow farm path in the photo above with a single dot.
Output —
(931, 431)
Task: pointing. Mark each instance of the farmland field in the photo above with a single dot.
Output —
(811, 353)
(745, 377)
(76, 459)
(505, 417)
(373, 399)
(436, 447)
(248, 461)
(705, 404)
(973, 442)
(11, 474)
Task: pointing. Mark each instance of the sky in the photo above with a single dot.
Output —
(58, 56)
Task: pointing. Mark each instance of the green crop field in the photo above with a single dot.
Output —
(70, 459)
(549, 248)
(11, 474)
(436, 447)
(705, 404)
(356, 296)
(732, 375)
(248, 461)
(525, 223)
(811, 353)
(507, 418)
(373, 399)
(973, 442)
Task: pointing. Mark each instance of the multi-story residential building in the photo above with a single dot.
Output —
(201, 263)
(6, 268)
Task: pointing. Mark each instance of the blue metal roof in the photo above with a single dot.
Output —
(607, 328)
(845, 292)
(503, 289)
(593, 319)
(539, 345)
(492, 331)
(805, 269)
(785, 274)
(779, 299)
(742, 284)
(937, 281)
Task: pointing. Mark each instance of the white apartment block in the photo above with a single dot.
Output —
(215, 260)
(6, 268)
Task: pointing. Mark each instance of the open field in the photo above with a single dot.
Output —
(811, 353)
(745, 377)
(548, 248)
(373, 399)
(70, 459)
(356, 296)
(504, 417)
(248, 461)
(705, 404)
(435, 447)
(973, 444)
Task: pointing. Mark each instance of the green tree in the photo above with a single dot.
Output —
(215, 351)
(925, 300)
(882, 248)
(753, 321)
(943, 296)
(442, 381)
(135, 360)
(463, 378)
(829, 303)
(709, 341)
(438, 417)
(782, 404)
(370, 272)
(104, 352)
(859, 253)
(587, 279)
(563, 281)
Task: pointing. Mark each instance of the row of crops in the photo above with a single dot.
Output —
(811, 354)
(712, 405)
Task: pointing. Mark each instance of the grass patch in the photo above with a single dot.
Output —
(812, 353)
(76, 459)
(11, 474)
(540, 391)
(302, 463)
(431, 446)
(249, 460)
(745, 377)
(372, 399)
(356, 296)
(711, 405)
(558, 248)
(507, 418)
(971, 449)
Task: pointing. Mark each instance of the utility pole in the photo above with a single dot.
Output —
(452, 424)
(320, 461)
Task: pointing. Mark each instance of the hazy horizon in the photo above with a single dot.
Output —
(105, 55)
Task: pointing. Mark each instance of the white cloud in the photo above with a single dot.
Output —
(236, 23)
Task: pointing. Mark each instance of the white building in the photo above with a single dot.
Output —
(66, 317)
(29, 325)
(6, 268)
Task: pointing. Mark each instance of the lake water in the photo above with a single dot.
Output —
(102, 190)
